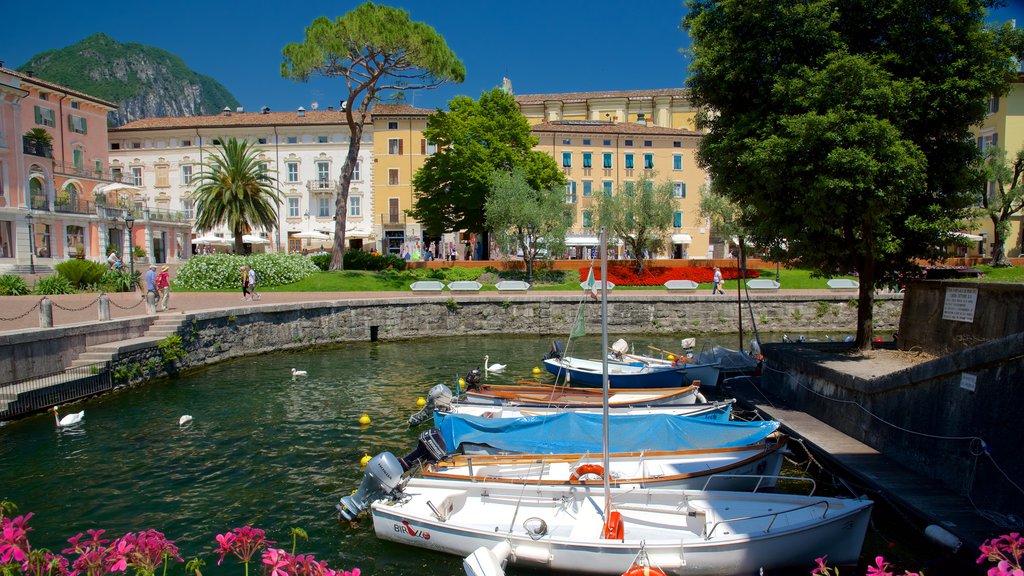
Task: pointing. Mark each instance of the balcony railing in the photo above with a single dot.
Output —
(38, 202)
(392, 219)
(161, 215)
(37, 148)
(75, 206)
(321, 185)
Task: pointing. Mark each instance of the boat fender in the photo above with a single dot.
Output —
(943, 537)
(583, 470)
(643, 571)
(614, 529)
(701, 399)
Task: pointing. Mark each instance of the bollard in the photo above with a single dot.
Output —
(150, 302)
(104, 307)
(45, 313)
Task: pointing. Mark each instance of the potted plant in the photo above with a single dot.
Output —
(80, 251)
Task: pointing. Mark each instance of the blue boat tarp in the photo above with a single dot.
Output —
(574, 432)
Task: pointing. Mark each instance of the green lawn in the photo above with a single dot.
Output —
(1011, 274)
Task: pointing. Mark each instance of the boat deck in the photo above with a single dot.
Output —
(924, 497)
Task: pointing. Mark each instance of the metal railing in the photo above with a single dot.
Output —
(74, 206)
(162, 215)
(35, 394)
(321, 185)
(36, 148)
(38, 202)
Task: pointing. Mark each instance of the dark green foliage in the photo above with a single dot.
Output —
(359, 260)
(323, 261)
(13, 285)
(545, 276)
(55, 284)
(120, 280)
(89, 66)
(81, 273)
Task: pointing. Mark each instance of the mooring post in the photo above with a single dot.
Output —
(150, 302)
(104, 307)
(45, 313)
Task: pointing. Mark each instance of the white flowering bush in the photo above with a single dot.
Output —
(217, 271)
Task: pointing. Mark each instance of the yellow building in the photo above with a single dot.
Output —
(399, 149)
(667, 108)
(1004, 127)
(602, 157)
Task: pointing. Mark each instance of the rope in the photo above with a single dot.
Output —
(55, 305)
(2, 318)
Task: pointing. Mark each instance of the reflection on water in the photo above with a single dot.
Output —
(262, 449)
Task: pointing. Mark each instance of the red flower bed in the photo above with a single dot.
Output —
(656, 276)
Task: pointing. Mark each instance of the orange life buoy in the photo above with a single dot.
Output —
(585, 469)
(643, 571)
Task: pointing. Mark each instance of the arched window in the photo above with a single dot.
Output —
(36, 193)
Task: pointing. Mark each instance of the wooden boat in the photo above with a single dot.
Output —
(563, 396)
(718, 411)
(581, 372)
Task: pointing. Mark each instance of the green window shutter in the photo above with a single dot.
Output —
(39, 115)
(677, 219)
(85, 128)
(71, 123)
(607, 160)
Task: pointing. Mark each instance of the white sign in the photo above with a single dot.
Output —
(960, 303)
(968, 381)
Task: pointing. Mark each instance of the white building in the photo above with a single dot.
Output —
(304, 149)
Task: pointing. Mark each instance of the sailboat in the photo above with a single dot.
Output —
(601, 530)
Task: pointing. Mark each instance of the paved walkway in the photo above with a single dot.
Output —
(19, 313)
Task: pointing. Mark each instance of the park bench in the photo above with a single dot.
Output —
(512, 286)
(598, 285)
(465, 286)
(427, 286)
(681, 285)
(843, 284)
(763, 284)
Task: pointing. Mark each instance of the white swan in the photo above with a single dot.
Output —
(297, 373)
(185, 419)
(67, 420)
(492, 367)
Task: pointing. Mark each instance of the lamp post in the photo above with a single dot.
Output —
(129, 221)
(31, 244)
(529, 247)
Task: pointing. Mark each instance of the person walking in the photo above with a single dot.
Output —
(151, 281)
(245, 282)
(163, 285)
(252, 284)
(716, 282)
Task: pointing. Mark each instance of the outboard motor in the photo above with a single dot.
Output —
(430, 448)
(557, 349)
(382, 478)
(438, 398)
(473, 380)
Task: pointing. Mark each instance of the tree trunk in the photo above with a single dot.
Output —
(866, 305)
(999, 258)
(341, 202)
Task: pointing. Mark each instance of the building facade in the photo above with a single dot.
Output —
(304, 150)
(665, 108)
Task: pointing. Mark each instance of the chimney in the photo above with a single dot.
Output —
(30, 73)
(648, 120)
(239, 110)
(226, 111)
(330, 108)
(301, 112)
(265, 110)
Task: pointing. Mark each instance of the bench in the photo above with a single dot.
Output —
(763, 284)
(681, 285)
(512, 286)
(427, 286)
(598, 285)
(843, 284)
(465, 286)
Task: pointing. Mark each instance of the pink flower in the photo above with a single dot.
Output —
(879, 569)
(14, 538)
(227, 542)
(278, 561)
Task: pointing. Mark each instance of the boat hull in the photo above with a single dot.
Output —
(713, 411)
(587, 373)
(560, 396)
(669, 524)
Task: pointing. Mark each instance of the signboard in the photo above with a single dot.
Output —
(968, 381)
(959, 304)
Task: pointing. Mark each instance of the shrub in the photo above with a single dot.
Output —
(55, 284)
(545, 276)
(120, 280)
(139, 252)
(221, 271)
(452, 274)
(359, 260)
(81, 273)
(13, 285)
(322, 261)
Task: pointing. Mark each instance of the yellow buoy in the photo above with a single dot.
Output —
(536, 371)
(366, 458)
(364, 419)
(671, 358)
(421, 402)
(462, 382)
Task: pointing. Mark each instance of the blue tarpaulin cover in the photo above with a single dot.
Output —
(573, 432)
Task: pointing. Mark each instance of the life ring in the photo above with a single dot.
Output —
(585, 469)
(643, 571)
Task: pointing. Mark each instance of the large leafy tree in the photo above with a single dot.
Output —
(475, 138)
(534, 222)
(639, 214)
(842, 126)
(234, 188)
(373, 48)
(1002, 197)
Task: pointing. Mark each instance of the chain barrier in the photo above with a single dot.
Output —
(4, 319)
(55, 305)
(137, 304)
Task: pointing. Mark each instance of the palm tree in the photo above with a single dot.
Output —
(236, 189)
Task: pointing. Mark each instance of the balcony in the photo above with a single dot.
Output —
(393, 219)
(162, 215)
(322, 186)
(34, 147)
(74, 206)
(38, 202)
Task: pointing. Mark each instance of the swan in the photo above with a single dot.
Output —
(296, 373)
(185, 419)
(492, 367)
(67, 420)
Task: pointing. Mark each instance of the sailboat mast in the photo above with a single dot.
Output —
(604, 373)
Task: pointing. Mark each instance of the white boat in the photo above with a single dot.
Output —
(691, 533)
(717, 411)
(741, 468)
(549, 395)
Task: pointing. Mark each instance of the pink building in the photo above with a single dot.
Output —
(55, 177)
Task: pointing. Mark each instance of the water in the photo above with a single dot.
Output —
(262, 449)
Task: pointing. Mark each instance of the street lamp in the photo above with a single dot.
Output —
(129, 221)
(31, 244)
(529, 261)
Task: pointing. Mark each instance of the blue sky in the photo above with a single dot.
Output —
(543, 46)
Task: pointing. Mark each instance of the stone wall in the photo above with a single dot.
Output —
(999, 311)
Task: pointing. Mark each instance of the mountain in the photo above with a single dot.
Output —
(144, 81)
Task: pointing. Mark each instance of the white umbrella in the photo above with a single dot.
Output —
(211, 239)
(314, 235)
(252, 239)
(116, 187)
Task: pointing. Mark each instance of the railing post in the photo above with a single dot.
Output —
(104, 307)
(150, 302)
(45, 313)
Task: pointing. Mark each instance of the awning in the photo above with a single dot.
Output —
(681, 239)
(582, 241)
(973, 237)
